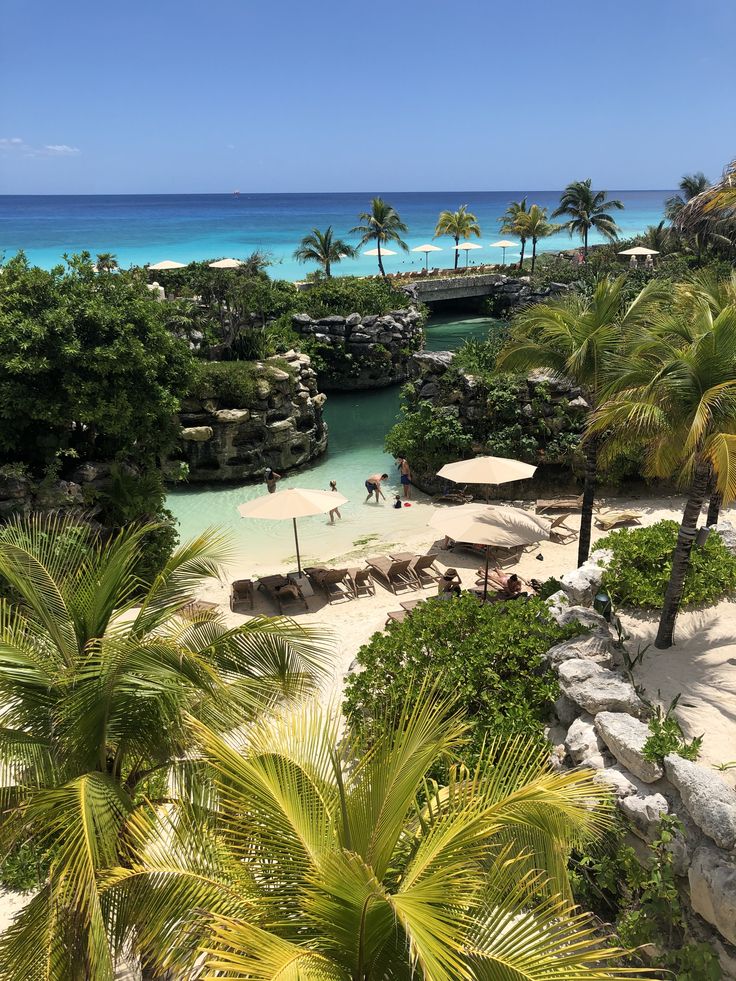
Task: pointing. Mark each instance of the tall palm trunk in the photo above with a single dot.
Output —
(585, 244)
(457, 251)
(327, 268)
(681, 556)
(534, 252)
(380, 260)
(714, 508)
(586, 516)
(521, 260)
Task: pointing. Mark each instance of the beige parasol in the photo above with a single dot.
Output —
(489, 525)
(383, 252)
(225, 264)
(466, 247)
(292, 504)
(426, 249)
(168, 264)
(487, 470)
(504, 244)
(639, 250)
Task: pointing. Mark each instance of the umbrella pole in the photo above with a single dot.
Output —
(485, 584)
(296, 539)
(426, 261)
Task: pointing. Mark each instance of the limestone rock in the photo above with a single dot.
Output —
(587, 647)
(625, 736)
(644, 812)
(710, 801)
(582, 740)
(278, 375)
(728, 533)
(566, 711)
(597, 689)
(197, 434)
(584, 616)
(353, 320)
(712, 878)
(617, 780)
(231, 416)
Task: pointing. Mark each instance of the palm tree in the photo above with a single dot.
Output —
(324, 249)
(512, 223)
(691, 185)
(460, 224)
(675, 393)
(327, 860)
(575, 338)
(381, 225)
(106, 262)
(98, 682)
(587, 209)
(658, 237)
(536, 226)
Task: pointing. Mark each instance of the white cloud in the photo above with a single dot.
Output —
(14, 144)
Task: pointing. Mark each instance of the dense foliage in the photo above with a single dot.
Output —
(235, 384)
(489, 656)
(642, 563)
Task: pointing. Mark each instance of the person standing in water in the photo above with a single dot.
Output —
(373, 486)
(271, 477)
(334, 511)
(405, 472)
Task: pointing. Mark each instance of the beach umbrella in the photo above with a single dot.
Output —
(225, 264)
(639, 250)
(168, 264)
(383, 252)
(466, 247)
(487, 470)
(426, 249)
(504, 244)
(491, 525)
(292, 504)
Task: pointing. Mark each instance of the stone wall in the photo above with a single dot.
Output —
(356, 352)
(506, 294)
(600, 723)
(283, 428)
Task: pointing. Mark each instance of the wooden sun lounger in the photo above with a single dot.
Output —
(362, 579)
(459, 495)
(560, 532)
(241, 591)
(196, 607)
(614, 519)
(330, 581)
(393, 574)
(422, 566)
(559, 504)
(281, 591)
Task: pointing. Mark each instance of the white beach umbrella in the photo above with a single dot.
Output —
(168, 264)
(466, 247)
(426, 249)
(225, 264)
(487, 470)
(504, 244)
(292, 504)
(491, 525)
(639, 250)
(383, 252)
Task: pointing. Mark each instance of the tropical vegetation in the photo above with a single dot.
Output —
(323, 248)
(536, 226)
(690, 185)
(383, 226)
(100, 683)
(326, 858)
(460, 224)
(512, 223)
(587, 210)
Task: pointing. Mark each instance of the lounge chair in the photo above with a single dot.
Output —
(422, 566)
(410, 605)
(241, 591)
(456, 495)
(393, 575)
(197, 607)
(362, 580)
(615, 519)
(559, 531)
(281, 591)
(396, 616)
(559, 504)
(331, 581)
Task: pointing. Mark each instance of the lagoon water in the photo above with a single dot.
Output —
(146, 228)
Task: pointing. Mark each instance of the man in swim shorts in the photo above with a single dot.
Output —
(373, 486)
(405, 473)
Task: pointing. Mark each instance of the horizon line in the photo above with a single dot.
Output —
(239, 193)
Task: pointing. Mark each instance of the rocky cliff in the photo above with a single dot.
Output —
(359, 352)
(280, 427)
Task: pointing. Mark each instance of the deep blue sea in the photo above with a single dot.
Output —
(148, 228)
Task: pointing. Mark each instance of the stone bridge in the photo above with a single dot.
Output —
(509, 290)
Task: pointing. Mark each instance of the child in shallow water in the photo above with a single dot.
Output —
(397, 501)
(334, 511)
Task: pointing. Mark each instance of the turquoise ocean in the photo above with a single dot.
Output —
(147, 228)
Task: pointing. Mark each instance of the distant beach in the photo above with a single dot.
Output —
(141, 229)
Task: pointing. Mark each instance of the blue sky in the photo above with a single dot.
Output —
(185, 96)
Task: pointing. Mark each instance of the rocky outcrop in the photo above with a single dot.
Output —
(625, 737)
(282, 427)
(360, 352)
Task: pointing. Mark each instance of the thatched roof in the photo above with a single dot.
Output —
(713, 212)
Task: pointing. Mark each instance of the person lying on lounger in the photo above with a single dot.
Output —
(508, 585)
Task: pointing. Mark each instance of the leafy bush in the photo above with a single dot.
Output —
(666, 737)
(24, 869)
(642, 562)
(489, 656)
(428, 435)
(233, 382)
(343, 295)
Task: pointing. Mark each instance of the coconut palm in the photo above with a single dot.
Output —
(381, 225)
(328, 860)
(512, 223)
(460, 224)
(675, 393)
(324, 249)
(691, 185)
(98, 679)
(106, 262)
(575, 338)
(587, 209)
(659, 237)
(536, 225)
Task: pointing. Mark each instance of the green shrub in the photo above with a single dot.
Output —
(232, 382)
(344, 295)
(666, 736)
(24, 869)
(429, 436)
(642, 562)
(489, 656)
